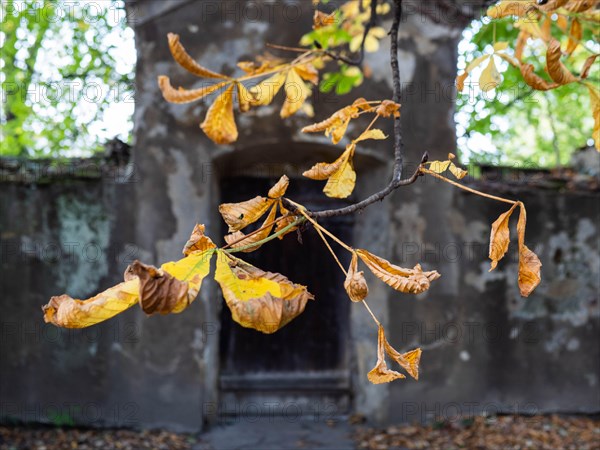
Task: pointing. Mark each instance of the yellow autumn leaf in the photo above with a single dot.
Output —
(355, 283)
(181, 95)
(460, 80)
(442, 166)
(340, 174)
(510, 8)
(264, 92)
(439, 166)
(278, 190)
(595, 103)
(169, 289)
(307, 72)
(408, 281)
(257, 299)
(575, 35)
(341, 183)
(244, 97)
(529, 263)
(556, 69)
(381, 373)
(531, 27)
(409, 361)
(219, 123)
(490, 77)
(371, 134)
(500, 237)
(388, 108)
(240, 215)
(67, 312)
(296, 93)
(181, 56)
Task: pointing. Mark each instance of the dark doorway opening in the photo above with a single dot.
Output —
(304, 367)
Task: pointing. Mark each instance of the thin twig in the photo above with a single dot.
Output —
(361, 56)
(351, 209)
(396, 180)
(398, 141)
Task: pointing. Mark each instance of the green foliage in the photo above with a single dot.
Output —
(64, 67)
(515, 125)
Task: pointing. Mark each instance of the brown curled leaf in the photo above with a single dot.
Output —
(355, 283)
(219, 123)
(529, 263)
(187, 62)
(388, 108)
(159, 291)
(181, 95)
(500, 237)
(257, 299)
(520, 44)
(285, 222)
(198, 241)
(408, 281)
(578, 6)
(534, 80)
(556, 69)
(241, 240)
(240, 215)
(321, 19)
(587, 66)
(336, 125)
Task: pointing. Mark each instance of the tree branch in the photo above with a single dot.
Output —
(396, 180)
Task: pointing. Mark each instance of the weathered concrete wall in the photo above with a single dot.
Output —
(484, 347)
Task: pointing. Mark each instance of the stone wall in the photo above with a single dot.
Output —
(485, 348)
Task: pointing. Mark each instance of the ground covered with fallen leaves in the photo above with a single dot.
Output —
(493, 433)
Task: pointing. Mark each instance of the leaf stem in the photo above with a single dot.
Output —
(302, 211)
(364, 302)
(267, 225)
(284, 230)
(331, 251)
(471, 190)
